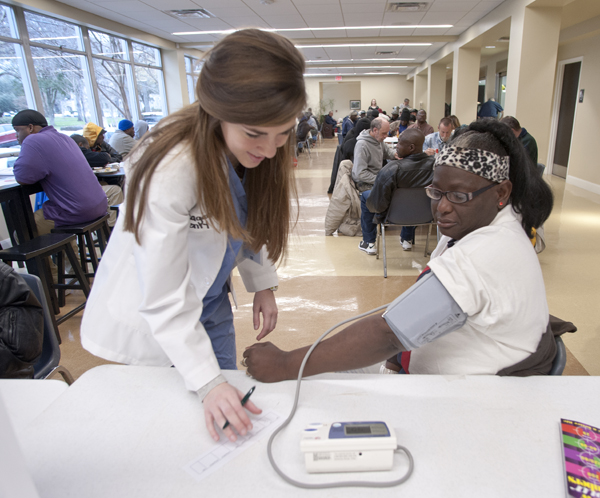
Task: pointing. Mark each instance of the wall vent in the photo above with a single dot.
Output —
(407, 6)
(504, 39)
(190, 14)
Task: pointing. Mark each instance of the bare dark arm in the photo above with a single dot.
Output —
(359, 345)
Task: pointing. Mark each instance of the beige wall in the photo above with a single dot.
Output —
(341, 92)
(583, 162)
(388, 90)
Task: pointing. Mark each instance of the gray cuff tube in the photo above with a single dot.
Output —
(423, 313)
(204, 390)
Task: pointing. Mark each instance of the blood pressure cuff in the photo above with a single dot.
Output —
(423, 313)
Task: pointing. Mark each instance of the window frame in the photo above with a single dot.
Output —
(30, 84)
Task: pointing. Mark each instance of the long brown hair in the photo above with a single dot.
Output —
(250, 77)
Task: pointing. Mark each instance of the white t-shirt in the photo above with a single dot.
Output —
(495, 277)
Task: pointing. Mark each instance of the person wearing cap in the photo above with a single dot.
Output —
(94, 159)
(55, 161)
(485, 200)
(122, 139)
(95, 137)
(349, 122)
(404, 120)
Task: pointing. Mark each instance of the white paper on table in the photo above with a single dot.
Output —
(225, 450)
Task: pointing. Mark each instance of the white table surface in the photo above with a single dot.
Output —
(128, 431)
(25, 400)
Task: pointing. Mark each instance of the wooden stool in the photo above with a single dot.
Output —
(35, 254)
(84, 232)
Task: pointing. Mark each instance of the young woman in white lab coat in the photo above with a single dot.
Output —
(208, 188)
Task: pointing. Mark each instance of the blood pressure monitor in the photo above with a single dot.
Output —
(348, 447)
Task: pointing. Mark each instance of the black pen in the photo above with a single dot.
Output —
(244, 400)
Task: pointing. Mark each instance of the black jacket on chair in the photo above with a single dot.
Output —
(412, 171)
(21, 326)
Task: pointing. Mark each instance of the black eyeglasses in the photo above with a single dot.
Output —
(455, 197)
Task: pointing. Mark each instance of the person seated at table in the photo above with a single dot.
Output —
(94, 159)
(350, 140)
(404, 120)
(435, 142)
(95, 136)
(414, 169)
(122, 139)
(21, 326)
(485, 197)
(55, 161)
(100, 160)
(302, 130)
(140, 128)
(394, 125)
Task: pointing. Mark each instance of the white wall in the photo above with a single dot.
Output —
(389, 90)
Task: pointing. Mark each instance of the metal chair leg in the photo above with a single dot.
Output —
(384, 254)
(63, 372)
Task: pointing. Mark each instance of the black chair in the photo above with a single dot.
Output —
(85, 240)
(35, 254)
(408, 207)
(48, 364)
(541, 167)
(560, 360)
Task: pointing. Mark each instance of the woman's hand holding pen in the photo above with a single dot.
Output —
(223, 404)
(264, 302)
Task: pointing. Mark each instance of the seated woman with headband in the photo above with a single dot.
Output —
(485, 198)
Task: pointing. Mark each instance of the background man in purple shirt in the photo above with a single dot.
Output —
(55, 160)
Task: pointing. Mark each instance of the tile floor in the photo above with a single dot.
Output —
(327, 279)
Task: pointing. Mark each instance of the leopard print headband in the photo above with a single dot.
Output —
(481, 162)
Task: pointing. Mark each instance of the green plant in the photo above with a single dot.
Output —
(325, 105)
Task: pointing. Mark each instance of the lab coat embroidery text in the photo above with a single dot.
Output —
(198, 222)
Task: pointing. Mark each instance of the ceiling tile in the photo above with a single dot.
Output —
(455, 6)
(362, 32)
(218, 4)
(364, 19)
(285, 21)
(365, 7)
(173, 4)
(325, 21)
(319, 9)
(247, 22)
(442, 17)
(390, 18)
(128, 6)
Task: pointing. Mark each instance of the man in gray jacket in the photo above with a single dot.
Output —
(415, 169)
(369, 154)
(122, 139)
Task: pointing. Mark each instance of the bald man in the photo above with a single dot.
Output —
(413, 169)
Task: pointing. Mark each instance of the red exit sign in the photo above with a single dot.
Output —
(338, 78)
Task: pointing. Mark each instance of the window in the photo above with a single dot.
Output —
(13, 78)
(143, 54)
(8, 26)
(49, 31)
(192, 69)
(150, 90)
(114, 88)
(63, 82)
(108, 46)
(82, 74)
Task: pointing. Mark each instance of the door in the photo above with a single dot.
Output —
(566, 118)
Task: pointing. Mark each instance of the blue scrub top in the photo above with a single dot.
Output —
(218, 291)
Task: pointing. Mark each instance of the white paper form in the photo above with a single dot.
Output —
(225, 450)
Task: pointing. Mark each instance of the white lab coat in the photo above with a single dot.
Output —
(146, 301)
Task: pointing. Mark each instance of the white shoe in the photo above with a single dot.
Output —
(369, 248)
(406, 245)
